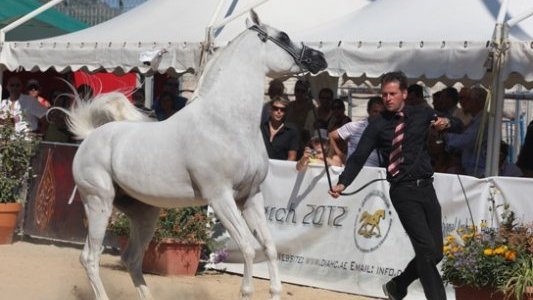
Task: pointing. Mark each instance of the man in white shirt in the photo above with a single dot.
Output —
(351, 133)
(25, 111)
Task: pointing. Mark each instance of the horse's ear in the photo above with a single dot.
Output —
(255, 17)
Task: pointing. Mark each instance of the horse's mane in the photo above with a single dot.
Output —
(211, 72)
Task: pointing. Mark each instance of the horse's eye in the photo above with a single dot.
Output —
(284, 37)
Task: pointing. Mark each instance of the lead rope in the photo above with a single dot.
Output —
(328, 176)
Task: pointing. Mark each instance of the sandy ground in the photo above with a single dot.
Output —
(43, 271)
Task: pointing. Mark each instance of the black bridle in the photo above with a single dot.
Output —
(299, 58)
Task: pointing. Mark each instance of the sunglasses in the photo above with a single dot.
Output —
(338, 107)
(15, 85)
(278, 108)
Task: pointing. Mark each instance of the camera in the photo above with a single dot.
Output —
(152, 58)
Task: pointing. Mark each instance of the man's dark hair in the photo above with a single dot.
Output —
(398, 77)
(372, 101)
(451, 93)
(326, 90)
(416, 90)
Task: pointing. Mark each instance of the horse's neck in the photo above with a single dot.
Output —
(233, 84)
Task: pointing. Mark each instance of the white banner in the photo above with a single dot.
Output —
(355, 244)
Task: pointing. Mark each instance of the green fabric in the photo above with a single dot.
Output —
(47, 24)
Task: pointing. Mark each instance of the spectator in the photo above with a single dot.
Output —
(25, 111)
(34, 89)
(473, 154)
(323, 112)
(281, 138)
(338, 118)
(170, 87)
(57, 130)
(352, 131)
(450, 99)
(298, 110)
(415, 95)
(313, 153)
(166, 106)
(525, 158)
(505, 167)
(275, 89)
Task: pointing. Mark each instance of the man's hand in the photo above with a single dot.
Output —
(336, 191)
(441, 123)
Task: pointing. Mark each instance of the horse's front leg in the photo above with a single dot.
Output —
(254, 215)
(230, 216)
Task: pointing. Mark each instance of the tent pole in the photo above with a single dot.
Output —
(25, 18)
(1, 80)
(497, 99)
(149, 91)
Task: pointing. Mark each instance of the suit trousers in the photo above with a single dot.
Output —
(420, 214)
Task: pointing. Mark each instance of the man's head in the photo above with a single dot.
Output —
(374, 106)
(415, 95)
(33, 88)
(394, 90)
(301, 90)
(449, 98)
(278, 109)
(14, 87)
(475, 101)
(275, 88)
(325, 97)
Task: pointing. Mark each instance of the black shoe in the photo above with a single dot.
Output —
(391, 291)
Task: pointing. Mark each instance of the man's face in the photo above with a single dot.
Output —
(277, 111)
(393, 96)
(375, 110)
(14, 87)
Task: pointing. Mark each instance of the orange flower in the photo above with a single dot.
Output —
(510, 255)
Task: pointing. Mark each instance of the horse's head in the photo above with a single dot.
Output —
(284, 56)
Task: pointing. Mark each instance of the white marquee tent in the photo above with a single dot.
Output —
(177, 26)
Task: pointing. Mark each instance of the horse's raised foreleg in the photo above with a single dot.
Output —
(143, 220)
(230, 216)
(254, 214)
(98, 210)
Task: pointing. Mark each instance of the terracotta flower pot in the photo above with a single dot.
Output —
(474, 293)
(8, 221)
(170, 257)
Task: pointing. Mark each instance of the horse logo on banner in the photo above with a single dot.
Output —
(371, 229)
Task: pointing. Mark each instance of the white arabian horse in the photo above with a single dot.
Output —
(211, 152)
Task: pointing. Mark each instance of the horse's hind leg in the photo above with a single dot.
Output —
(254, 214)
(98, 210)
(230, 216)
(143, 220)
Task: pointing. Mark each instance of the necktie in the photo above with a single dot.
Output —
(395, 157)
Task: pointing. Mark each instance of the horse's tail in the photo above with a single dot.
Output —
(86, 115)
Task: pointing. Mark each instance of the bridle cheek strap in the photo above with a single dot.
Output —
(298, 57)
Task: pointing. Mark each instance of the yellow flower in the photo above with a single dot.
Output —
(446, 250)
(488, 252)
(499, 251)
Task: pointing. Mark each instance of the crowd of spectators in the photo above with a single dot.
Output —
(456, 153)
(301, 129)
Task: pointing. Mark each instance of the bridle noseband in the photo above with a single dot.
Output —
(298, 57)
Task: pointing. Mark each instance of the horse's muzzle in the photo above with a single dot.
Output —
(314, 60)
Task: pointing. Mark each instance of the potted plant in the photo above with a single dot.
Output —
(489, 263)
(519, 282)
(17, 147)
(177, 243)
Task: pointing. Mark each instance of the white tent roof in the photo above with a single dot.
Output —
(427, 39)
(178, 26)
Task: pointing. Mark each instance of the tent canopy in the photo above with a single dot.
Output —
(177, 26)
(49, 23)
(430, 40)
